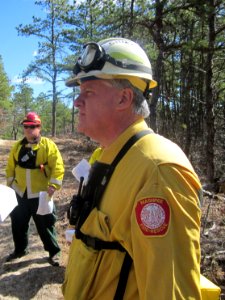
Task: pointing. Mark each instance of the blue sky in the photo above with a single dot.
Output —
(18, 51)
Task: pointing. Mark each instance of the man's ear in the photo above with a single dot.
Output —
(126, 98)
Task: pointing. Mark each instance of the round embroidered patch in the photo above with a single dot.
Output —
(153, 216)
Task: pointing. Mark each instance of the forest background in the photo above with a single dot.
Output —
(185, 41)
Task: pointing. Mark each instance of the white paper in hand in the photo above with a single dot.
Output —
(82, 170)
(45, 204)
(8, 201)
(69, 233)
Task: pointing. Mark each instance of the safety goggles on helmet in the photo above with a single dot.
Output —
(94, 57)
(31, 126)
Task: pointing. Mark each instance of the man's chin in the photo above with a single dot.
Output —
(84, 131)
(32, 139)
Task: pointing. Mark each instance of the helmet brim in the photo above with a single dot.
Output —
(30, 123)
(126, 74)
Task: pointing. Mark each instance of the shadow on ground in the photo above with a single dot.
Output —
(32, 279)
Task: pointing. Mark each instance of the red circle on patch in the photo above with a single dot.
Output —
(153, 216)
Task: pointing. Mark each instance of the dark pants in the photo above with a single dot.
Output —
(20, 219)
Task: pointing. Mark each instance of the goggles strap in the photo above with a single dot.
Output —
(123, 65)
(147, 90)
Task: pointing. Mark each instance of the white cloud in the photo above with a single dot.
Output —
(28, 80)
(35, 53)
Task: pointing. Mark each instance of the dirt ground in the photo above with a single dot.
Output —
(31, 277)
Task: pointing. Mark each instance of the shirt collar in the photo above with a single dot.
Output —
(110, 152)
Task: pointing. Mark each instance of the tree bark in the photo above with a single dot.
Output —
(209, 117)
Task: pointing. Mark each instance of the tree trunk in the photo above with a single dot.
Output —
(209, 117)
(156, 91)
(54, 102)
(73, 111)
(157, 35)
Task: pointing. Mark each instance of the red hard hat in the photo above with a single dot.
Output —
(31, 119)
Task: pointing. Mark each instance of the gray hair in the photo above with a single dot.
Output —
(140, 104)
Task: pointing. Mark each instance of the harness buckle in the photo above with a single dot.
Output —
(90, 242)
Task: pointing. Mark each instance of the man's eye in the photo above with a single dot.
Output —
(89, 92)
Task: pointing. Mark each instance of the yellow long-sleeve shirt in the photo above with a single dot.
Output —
(35, 180)
(150, 206)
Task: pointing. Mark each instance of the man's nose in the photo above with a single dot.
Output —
(78, 101)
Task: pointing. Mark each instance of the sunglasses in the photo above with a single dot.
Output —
(31, 126)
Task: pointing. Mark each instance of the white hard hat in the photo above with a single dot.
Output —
(114, 58)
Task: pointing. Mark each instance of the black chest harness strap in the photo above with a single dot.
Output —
(98, 244)
(27, 158)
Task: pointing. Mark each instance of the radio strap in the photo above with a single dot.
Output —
(99, 244)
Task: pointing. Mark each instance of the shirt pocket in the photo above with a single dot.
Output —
(97, 225)
(80, 272)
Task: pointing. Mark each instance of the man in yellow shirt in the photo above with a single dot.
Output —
(138, 227)
(34, 165)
